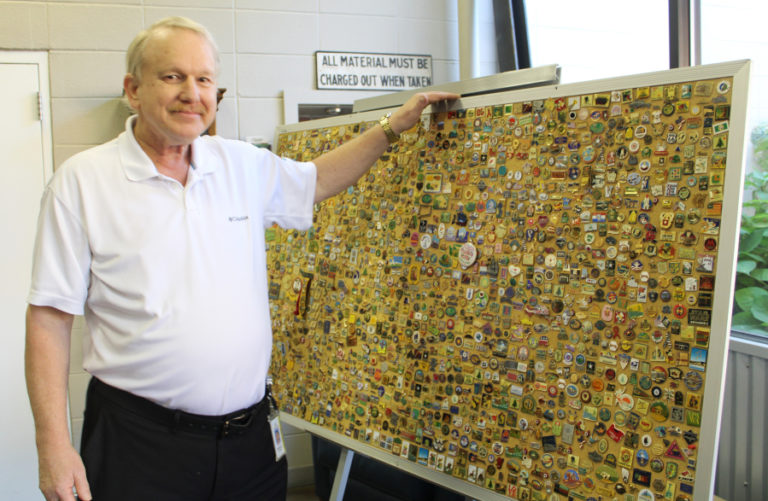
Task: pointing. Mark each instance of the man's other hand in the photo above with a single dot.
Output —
(61, 469)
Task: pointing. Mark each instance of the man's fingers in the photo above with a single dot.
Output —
(446, 96)
(408, 114)
(437, 96)
(82, 487)
(67, 494)
(63, 494)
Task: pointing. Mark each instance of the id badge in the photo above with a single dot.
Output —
(277, 435)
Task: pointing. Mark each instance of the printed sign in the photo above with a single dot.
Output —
(372, 71)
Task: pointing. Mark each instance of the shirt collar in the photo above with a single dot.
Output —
(139, 167)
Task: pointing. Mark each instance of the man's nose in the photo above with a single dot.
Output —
(190, 90)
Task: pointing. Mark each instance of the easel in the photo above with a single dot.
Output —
(342, 474)
(349, 447)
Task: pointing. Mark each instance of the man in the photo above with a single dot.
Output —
(157, 237)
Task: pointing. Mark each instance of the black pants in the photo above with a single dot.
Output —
(135, 450)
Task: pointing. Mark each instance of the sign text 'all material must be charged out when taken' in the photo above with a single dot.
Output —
(360, 71)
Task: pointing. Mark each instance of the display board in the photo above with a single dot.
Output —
(530, 292)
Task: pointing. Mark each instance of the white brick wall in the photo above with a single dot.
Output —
(92, 27)
(265, 46)
(23, 25)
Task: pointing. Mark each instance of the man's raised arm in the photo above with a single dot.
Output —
(343, 166)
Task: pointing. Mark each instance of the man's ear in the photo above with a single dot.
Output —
(130, 86)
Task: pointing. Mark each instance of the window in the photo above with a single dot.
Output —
(730, 30)
(593, 39)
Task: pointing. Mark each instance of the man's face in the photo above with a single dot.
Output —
(176, 96)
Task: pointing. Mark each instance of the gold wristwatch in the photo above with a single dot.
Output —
(392, 137)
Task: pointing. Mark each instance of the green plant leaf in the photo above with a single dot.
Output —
(751, 241)
(744, 281)
(759, 309)
(746, 297)
(760, 220)
(751, 329)
(746, 267)
(745, 321)
(752, 256)
(759, 274)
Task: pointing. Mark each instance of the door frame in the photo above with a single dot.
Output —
(22, 467)
(40, 58)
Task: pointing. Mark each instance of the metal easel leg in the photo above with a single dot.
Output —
(342, 474)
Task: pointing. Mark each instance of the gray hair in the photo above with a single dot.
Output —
(134, 58)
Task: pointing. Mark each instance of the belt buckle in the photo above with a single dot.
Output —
(237, 423)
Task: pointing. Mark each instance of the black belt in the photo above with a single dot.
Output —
(234, 423)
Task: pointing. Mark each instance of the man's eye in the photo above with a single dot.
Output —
(171, 78)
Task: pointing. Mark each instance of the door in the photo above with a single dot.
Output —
(25, 166)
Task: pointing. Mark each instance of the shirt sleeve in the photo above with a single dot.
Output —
(289, 190)
(61, 260)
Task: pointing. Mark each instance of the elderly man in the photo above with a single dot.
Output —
(157, 237)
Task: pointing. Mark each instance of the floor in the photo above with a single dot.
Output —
(304, 493)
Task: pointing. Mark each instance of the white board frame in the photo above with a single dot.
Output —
(709, 432)
(499, 82)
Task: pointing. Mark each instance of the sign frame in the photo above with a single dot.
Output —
(372, 71)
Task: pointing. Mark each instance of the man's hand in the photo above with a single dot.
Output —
(408, 114)
(343, 166)
(61, 469)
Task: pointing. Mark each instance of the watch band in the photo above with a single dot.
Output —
(392, 137)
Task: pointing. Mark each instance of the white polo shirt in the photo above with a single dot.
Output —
(171, 278)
